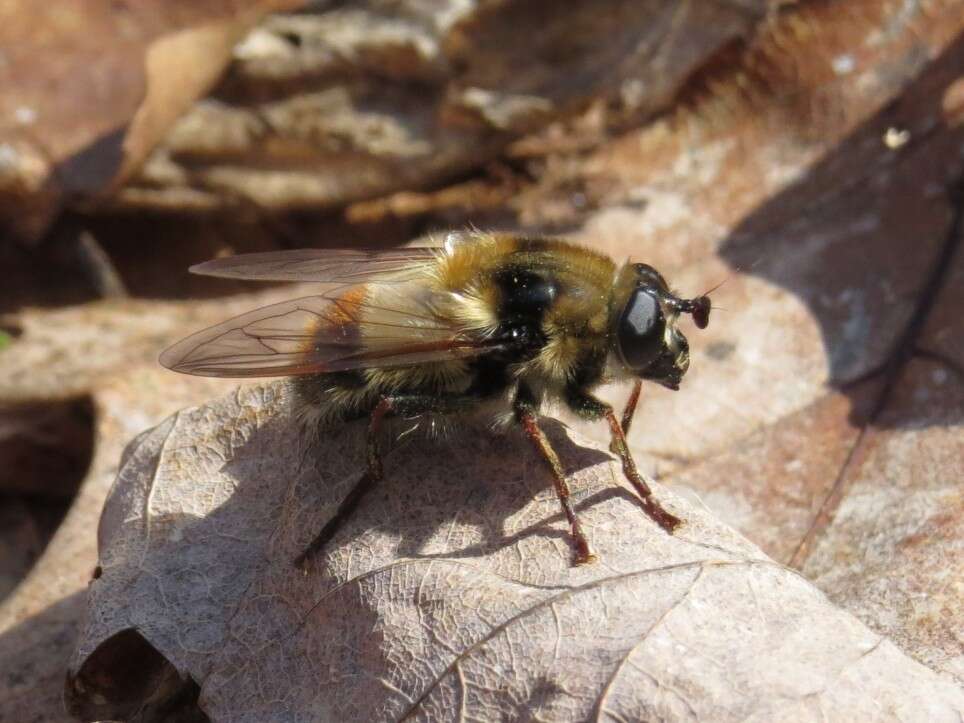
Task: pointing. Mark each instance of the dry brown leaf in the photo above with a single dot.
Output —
(450, 594)
(89, 89)
(40, 620)
(802, 423)
(105, 355)
(78, 347)
(805, 423)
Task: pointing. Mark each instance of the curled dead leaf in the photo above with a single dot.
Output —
(88, 90)
(450, 594)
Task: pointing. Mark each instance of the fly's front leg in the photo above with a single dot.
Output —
(525, 413)
(404, 405)
(628, 411)
(630, 408)
(654, 509)
(590, 408)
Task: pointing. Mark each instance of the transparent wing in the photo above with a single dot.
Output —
(323, 265)
(354, 330)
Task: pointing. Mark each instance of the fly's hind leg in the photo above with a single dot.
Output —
(404, 405)
(590, 408)
(364, 485)
(525, 413)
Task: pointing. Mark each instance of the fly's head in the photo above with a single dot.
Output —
(645, 336)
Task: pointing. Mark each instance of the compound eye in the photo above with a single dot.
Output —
(646, 275)
(641, 330)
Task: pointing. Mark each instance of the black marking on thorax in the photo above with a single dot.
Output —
(523, 299)
(524, 295)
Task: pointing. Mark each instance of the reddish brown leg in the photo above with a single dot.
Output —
(663, 518)
(631, 403)
(530, 425)
(628, 413)
(364, 485)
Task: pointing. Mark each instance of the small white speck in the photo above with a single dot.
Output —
(633, 92)
(866, 224)
(262, 44)
(794, 465)
(24, 115)
(843, 64)
(845, 296)
(939, 376)
(8, 156)
(894, 138)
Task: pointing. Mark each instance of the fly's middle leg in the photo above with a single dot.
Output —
(526, 415)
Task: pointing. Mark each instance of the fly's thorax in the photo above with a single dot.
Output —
(547, 298)
(465, 259)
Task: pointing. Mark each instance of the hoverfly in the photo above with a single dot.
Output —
(489, 321)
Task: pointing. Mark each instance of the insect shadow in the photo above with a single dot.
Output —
(458, 495)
